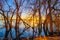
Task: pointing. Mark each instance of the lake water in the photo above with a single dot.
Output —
(27, 33)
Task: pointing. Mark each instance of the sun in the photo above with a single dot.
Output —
(43, 19)
(35, 22)
(30, 21)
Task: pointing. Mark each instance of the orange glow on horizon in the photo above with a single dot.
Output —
(30, 21)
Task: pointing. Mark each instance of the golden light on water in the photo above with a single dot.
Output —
(29, 19)
(31, 22)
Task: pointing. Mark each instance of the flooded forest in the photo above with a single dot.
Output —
(29, 19)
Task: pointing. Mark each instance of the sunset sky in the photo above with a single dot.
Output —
(23, 8)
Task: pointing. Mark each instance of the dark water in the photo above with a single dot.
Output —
(27, 33)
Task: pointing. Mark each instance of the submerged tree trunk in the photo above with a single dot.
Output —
(40, 24)
(50, 16)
